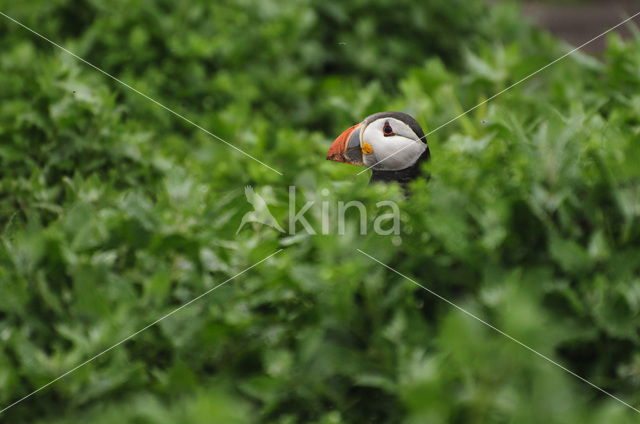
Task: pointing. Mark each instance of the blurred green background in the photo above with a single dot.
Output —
(113, 212)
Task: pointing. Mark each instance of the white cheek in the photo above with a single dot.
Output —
(393, 153)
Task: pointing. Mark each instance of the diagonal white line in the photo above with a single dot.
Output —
(499, 331)
(137, 332)
(184, 118)
(508, 88)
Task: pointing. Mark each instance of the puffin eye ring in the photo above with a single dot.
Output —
(387, 130)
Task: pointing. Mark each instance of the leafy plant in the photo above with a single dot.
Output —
(115, 212)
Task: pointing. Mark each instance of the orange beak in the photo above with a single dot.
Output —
(346, 148)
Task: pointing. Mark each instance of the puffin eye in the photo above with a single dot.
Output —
(387, 130)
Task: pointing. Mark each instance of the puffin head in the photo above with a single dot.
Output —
(391, 144)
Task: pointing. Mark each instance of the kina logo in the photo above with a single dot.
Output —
(260, 213)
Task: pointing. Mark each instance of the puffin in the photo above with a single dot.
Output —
(391, 144)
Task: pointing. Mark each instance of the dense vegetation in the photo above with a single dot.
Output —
(113, 212)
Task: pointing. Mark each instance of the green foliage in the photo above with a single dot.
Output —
(115, 212)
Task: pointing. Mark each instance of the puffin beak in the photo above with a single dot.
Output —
(346, 148)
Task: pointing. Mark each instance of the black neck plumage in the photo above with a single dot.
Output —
(403, 176)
